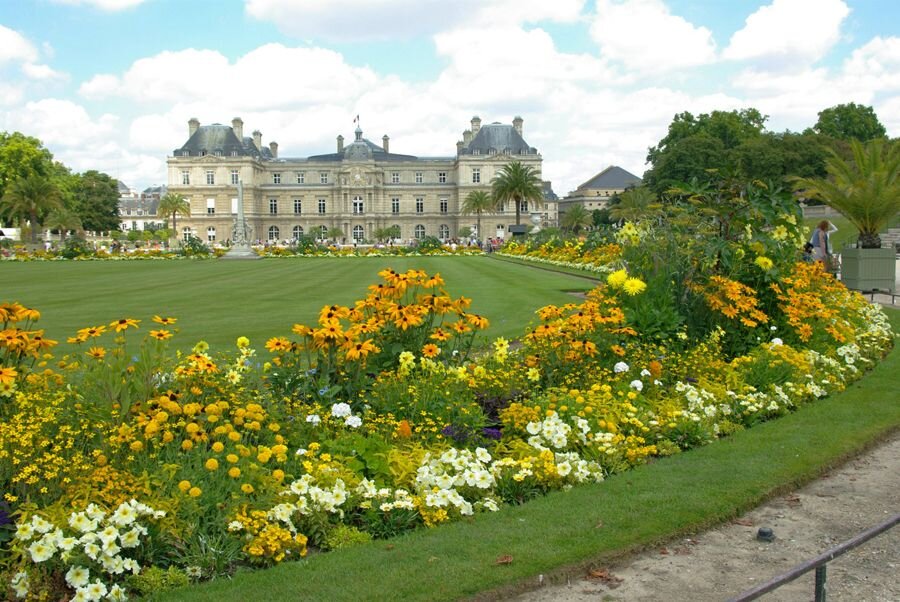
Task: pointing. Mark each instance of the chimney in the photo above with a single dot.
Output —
(384, 143)
(476, 125)
(340, 142)
(517, 124)
(273, 146)
(460, 145)
(237, 124)
(257, 139)
(193, 126)
(467, 136)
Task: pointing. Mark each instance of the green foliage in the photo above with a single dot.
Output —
(430, 243)
(866, 189)
(345, 536)
(22, 157)
(516, 182)
(30, 198)
(850, 121)
(174, 204)
(76, 247)
(193, 247)
(95, 200)
(576, 218)
(154, 580)
(478, 202)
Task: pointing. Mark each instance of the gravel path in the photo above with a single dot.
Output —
(723, 562)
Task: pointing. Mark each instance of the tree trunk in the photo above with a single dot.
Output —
(480, 235)
(869, 241)
(32, 215)
(516, 201)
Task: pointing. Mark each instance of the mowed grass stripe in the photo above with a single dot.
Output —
(566, 531)
(218, 300)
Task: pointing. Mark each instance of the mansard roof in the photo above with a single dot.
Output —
(362, 150)
(612, 178)
(218, 139)
(499, 138)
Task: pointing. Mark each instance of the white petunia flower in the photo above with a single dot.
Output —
(78, 576)
(637, 385)
(353, 421)
(620, 367)
(340, 410)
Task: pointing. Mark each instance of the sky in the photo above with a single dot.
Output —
(111, 84)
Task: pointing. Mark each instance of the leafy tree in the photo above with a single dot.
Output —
(465, 232)
(95, 200)
(866, 189)
(30, 198)
(335, 233)
(850, 121)
(633, 204)
(600, 217)
(174, 204)
(517, 182)
(576, 218)
(22, 156)
(63, 219)
(477, 202)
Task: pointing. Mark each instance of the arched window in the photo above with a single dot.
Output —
(419, 231)
(444, 232)
(323, 232)
(186, 234)
(211, 234)
(298, 232)
(359, 233)
(273, 233)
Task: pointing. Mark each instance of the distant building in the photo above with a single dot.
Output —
(600, 189)
(138, 211)
(359, 189)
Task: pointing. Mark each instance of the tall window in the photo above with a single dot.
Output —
(420, 205)
(298, 206)
(211, 234)
(444, 232)
(395, 205)
(234, 177)
(210, 206)
(420, 232)
(297, 232)
(273, 233)
(323, 232)
(276, 178)
(444, 205)
(186, 234)
(322, 207)
(476, 175)
(419, 178)
(210, 177)
(442, 177)
(395, 177)
(359, 234)
(273, 206)
(358, 205)
(523, 206)
(185, 177)
(323, 177)
(301, 177)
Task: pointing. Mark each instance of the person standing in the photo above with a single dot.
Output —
(821, 241)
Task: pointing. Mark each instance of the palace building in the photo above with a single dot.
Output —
(353, 194)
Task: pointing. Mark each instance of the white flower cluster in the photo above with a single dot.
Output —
(701, 403)
(343, 410)
(99, 535)
(438, 477)
(550, 432)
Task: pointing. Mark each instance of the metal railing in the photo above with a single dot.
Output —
(818, 563)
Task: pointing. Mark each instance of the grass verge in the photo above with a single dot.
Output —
(566, 531)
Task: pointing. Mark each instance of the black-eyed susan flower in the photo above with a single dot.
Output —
(124, 324)
(164, 321)
(161, 334)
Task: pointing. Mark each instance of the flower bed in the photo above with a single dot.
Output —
(128, 468)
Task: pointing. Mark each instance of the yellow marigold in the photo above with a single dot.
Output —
(194, 492)
(634, 286)
(187, 445)
(617, 279)
(234, 472)
(218, 447)
(211, 464)
(184, 485)
(247, 488)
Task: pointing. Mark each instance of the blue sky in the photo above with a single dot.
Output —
(110, 84)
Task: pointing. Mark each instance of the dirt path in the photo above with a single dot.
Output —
(723, 562)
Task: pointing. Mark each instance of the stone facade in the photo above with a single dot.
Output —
(597, 192)
(358, 190)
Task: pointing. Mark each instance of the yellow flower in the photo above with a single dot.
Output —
(764, 262)
(234, 472)
(247, 488)
(243, 342)
(123, 324)
(211, 464)
(187, 445)
(136, 446)
(217, 446)
(617, 278)
(195, 492)
(7, 375)
(184, 486)
(634, 286)
(164, 321)
(98, 353)
(161, 334)
(430, 350)
(231, 458)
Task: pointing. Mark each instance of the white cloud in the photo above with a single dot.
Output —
(10, 94)
(42, 72)
(788, 30)
(15, 47)
(354, 20)
(100, 86)
(888, 111)
(61, 123)
(646, 38)
(108, 5)
(875, 65)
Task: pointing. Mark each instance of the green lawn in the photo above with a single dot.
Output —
(564, 532)
(217, 300)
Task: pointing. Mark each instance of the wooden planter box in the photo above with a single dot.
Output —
(869, 269)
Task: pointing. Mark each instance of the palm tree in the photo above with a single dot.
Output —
(517, 182)
(477, 202)
(865, 190)
(633, 204)
(174, 204)
(30, 198)
(63, 220)
(576, 217)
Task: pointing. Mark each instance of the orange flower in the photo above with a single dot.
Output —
(7, 375)
(440, 335)
(404, 431)
(98, 353)
(164, 321)
(93, 331)
(162, 334)
(431, 350)
(278, 344)
(360, 350)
